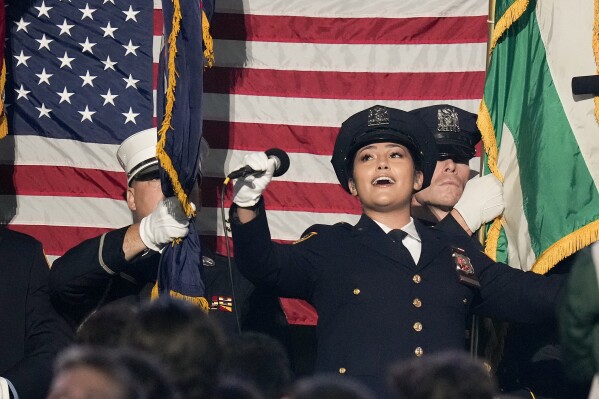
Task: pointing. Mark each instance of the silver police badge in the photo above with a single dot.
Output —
(378, 116)
(447, 120)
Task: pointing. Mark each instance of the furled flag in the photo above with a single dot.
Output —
(179, 136)
(540, 138)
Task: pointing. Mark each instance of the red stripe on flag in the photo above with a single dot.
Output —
(69, 236)
(158, 22)
(346, 85)
(258, 136)
(61, 181)
(292, 29)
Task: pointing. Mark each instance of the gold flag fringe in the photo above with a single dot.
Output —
(487, 131)
(199, 301)
(163, 157)
(511, 15)
(209, 51)
(493, 238)
(3, 119)
(566, 246)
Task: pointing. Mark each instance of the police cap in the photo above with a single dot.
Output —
(383, 124)
(454, 129)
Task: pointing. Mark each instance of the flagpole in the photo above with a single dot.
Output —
(476, 322)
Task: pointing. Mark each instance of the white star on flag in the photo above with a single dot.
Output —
(43, 111)
(88, 79)
(130, 116)
(86, 114)
(65, 96)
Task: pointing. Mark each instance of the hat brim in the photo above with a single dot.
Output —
(145, 171)
(382, 136)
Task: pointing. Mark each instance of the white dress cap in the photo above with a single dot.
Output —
(138, 152)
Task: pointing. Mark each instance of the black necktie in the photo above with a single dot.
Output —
(398, 235)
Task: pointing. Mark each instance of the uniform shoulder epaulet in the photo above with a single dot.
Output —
(306, 236)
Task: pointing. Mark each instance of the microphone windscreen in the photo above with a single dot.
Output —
(585, 85)
(282, 160)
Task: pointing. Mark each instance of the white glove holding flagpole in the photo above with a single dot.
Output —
(166, 223)
(248, 190)
(481, 201)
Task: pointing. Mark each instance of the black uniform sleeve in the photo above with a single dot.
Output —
(46, 333)
(514, 295)
(290, 270)
(80, 278)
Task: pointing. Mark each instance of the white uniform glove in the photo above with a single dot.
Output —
(247, 190)
(481, 201)
(167, 222)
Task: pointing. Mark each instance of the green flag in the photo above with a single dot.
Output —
(540, 138)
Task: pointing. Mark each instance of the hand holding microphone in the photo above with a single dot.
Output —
(256, 172)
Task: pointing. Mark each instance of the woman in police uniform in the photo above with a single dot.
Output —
(389, 287)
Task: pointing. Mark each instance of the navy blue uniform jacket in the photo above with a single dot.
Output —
(376, 306)
(31, 332)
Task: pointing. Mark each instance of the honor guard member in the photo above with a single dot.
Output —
(387, 288)
(122, 264)
(476, 201)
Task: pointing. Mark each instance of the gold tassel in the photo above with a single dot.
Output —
(209, 51)
(165, 160)
(511, 15)
(3, 118)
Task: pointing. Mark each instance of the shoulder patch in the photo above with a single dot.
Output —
(305, 237)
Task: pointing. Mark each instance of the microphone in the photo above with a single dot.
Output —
(585, 84)
(281, 165)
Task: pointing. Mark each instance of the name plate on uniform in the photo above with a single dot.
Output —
(463, 267)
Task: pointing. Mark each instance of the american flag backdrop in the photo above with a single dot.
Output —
(81, 78)
(287, 73)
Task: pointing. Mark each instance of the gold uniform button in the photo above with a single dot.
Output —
(356, 291)
(418, 351)
(417, 326)
(342, 370)
(417, 302)
(417, 279)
